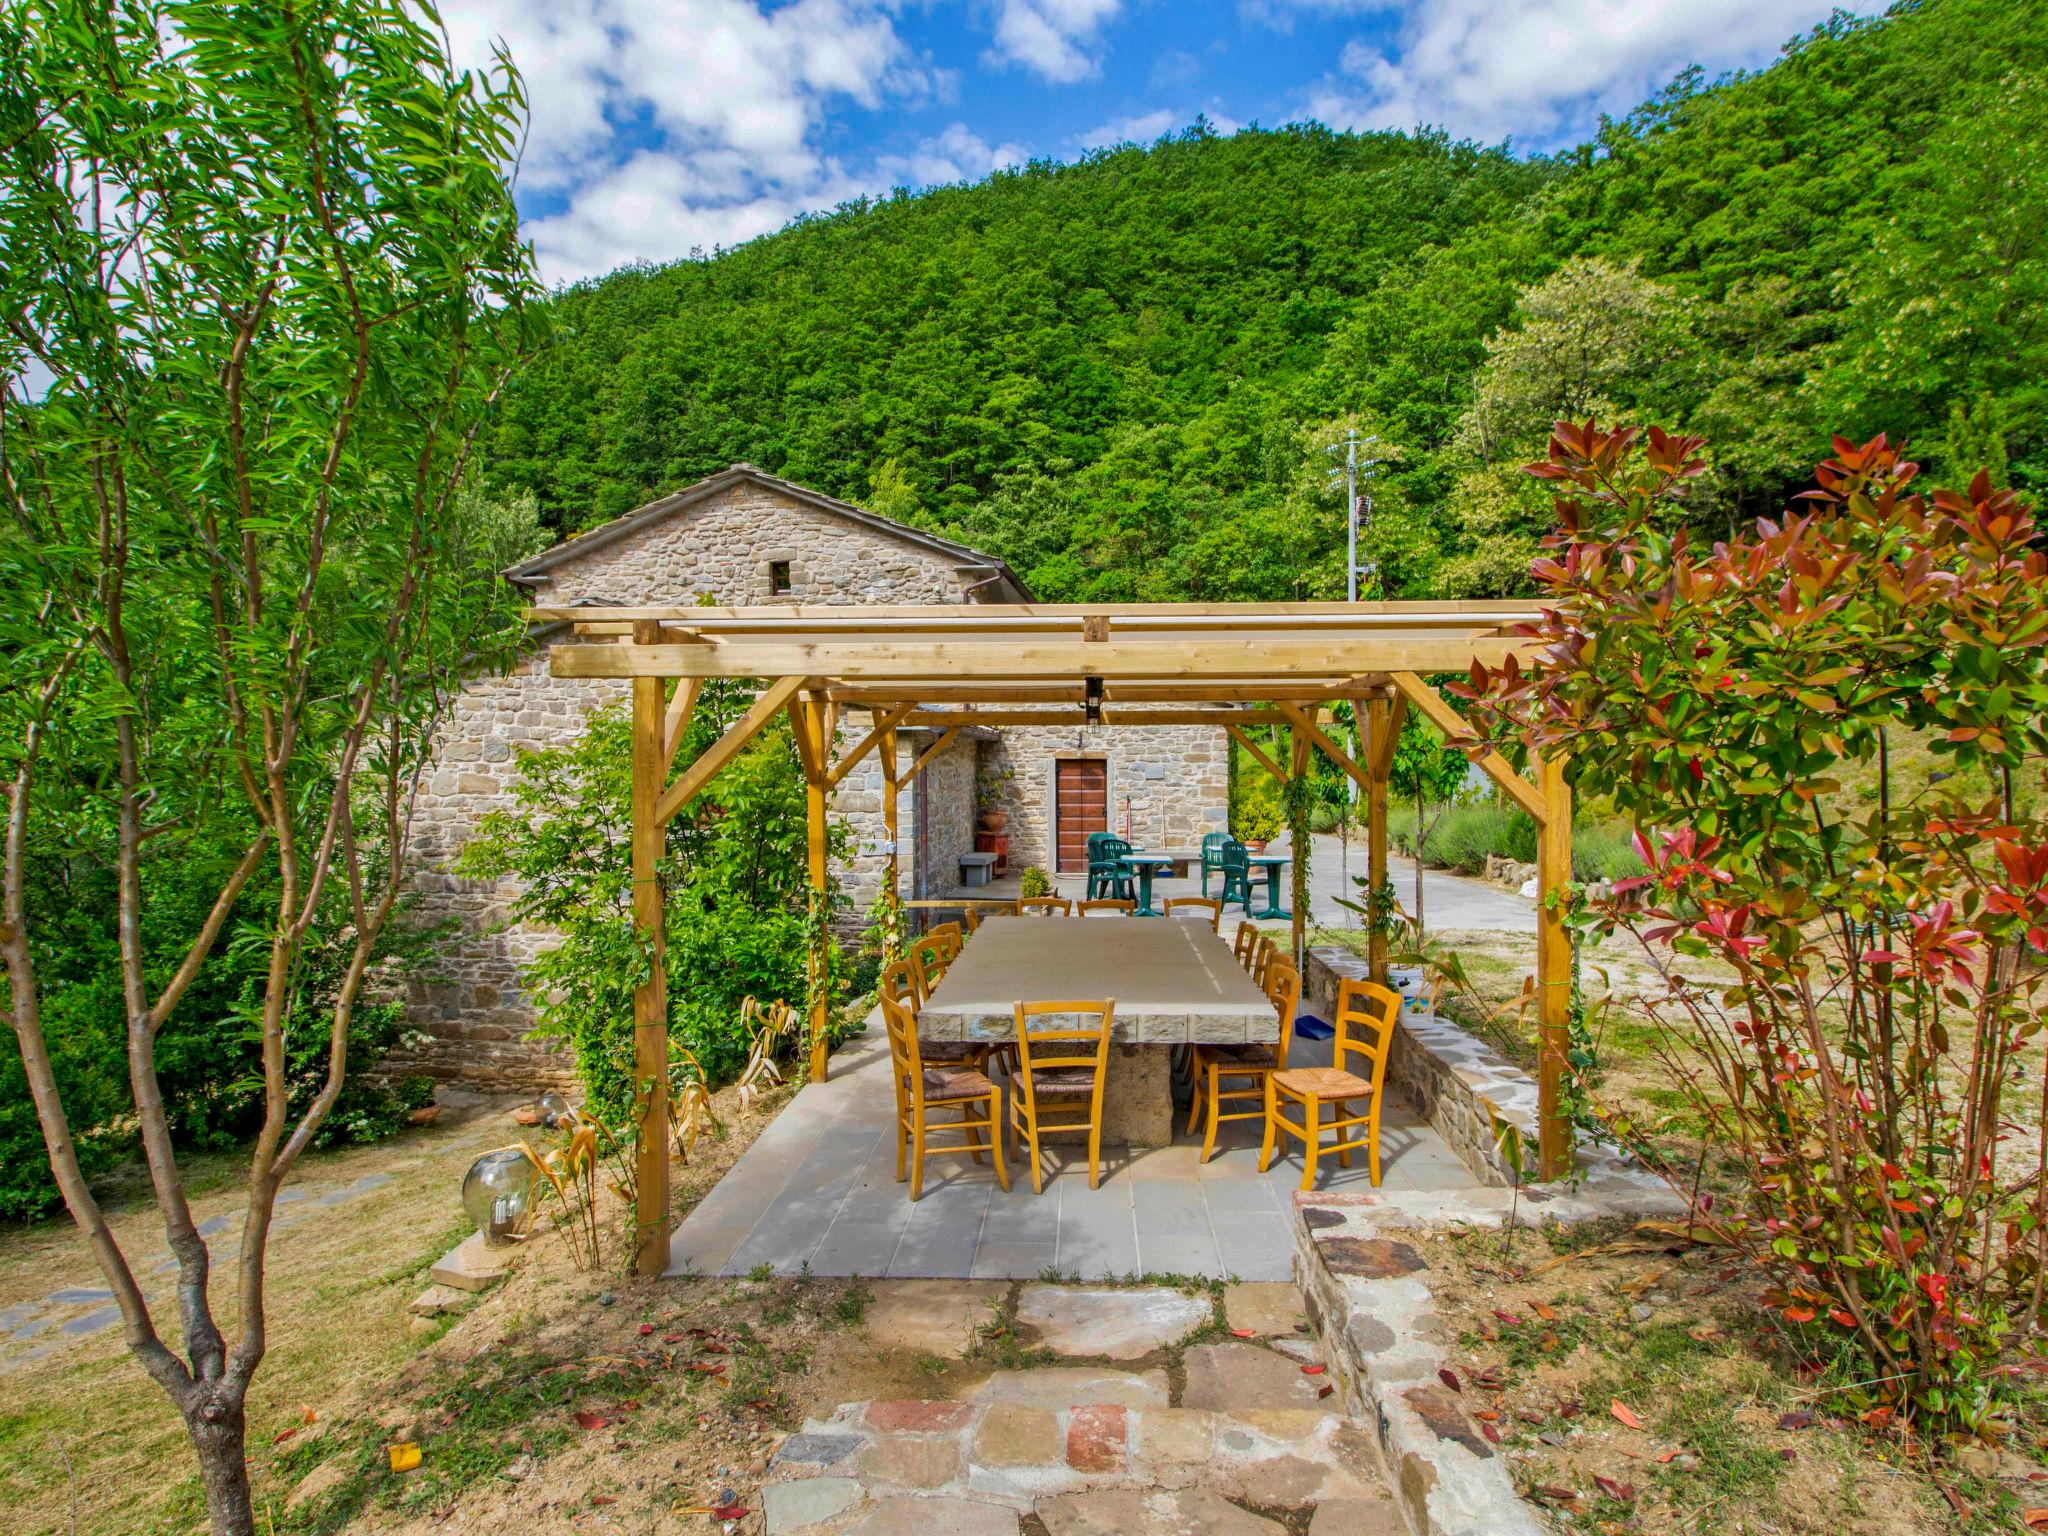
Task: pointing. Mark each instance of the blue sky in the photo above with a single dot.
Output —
(663, 127)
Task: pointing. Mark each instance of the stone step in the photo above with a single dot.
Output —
(1124, 1461)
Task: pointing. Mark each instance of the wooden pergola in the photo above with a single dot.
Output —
(946, 669)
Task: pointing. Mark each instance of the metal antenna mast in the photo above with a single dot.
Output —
(1355, 465)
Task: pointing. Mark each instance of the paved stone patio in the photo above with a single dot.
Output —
(818, 1187)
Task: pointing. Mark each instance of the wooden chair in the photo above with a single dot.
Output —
(1246, 942)
(1044, 906)
(1198, 904)
(1236, 1074)
(1264, 953)
(970, 918)
(923, 1088)
(952, 935)
(1121, 904)
(907, 984)
(1058, 1077)
(1365, 1028)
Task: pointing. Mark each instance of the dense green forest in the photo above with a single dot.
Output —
(1120, 374)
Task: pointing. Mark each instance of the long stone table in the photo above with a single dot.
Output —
(1175, 982)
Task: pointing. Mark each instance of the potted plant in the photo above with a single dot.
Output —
(1255, 812)
(990, 789)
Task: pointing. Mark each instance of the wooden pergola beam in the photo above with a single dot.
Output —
(677, 720)
(650, 998)
(932, 719)
(1302, 721)
(1440, 713)
(886, 722)
(1243, 739)
(945, 740)
(880, 617)
(1219, 658)
(726, 748)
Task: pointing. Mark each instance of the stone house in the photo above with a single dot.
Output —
(743, 536)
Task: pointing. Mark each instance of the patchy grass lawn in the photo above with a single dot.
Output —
(88, 1444)
(1650, 1392)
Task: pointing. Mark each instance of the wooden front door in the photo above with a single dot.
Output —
(1081, 799)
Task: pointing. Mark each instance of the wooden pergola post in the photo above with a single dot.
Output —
(1297, 846)
(1553, 968)
(808, 717)
(891, 867)
(650, 998)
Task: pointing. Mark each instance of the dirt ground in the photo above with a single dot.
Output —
(88, 1445)
(1636, 1386)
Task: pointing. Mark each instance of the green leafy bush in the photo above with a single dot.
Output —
(1035, 882)
(1256, 814)
(1868, 1061)
(1467, 833)
(733, 875)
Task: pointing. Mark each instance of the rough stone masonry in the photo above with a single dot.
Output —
(741, 536)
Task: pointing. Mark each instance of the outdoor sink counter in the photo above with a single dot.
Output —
(1175, 982)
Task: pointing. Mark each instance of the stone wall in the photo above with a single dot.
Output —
(947, 817)
(1172, 780)
(475, 1006)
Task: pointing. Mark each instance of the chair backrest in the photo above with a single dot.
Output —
(1044, 906)
(1283, 990)
(1064, 1034)
(1237, 859)
(901, 984)
(1262, 958)
(1213, 844)
(1366, 1012)
(1106, 848)
(971, 916)
(1107, 904)
(952, 935)
(905, 1064)
(1191, 905)
(931, 955)
(1246, 943)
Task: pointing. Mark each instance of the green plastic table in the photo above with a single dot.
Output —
(1148, 866)
(1272, 863)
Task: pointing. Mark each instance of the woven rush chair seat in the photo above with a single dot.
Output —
(943, 1083)
(947, 1053)
(1324, 1083)
(1062, 1082)
(1250, 1054)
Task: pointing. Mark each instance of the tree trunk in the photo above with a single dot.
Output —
(216, 1424)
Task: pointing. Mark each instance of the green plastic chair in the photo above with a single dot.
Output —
(1213, 844)
(1236, 869)
(1108, 874)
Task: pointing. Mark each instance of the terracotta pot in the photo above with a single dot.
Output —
(994, 821)
(1257, 844)
(426, 1114)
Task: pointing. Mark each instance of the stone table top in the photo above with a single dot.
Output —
(1175, 980)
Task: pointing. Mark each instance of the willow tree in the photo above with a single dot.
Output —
(261, 282)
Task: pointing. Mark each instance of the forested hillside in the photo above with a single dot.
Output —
(1119, 374)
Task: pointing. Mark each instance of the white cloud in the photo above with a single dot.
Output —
(958, 154)
(718, 104)
(1052, 38)
(1536, 69)
(1141, 129)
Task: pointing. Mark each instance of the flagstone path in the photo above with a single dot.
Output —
(1133, 1431)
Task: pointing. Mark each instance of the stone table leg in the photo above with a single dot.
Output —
(1137, 1100)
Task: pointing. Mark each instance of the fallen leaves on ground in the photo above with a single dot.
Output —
(1626, 1414)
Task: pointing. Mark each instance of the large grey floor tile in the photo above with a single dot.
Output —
(1171, 1206)
(1014, 1261)
(1178, 1254)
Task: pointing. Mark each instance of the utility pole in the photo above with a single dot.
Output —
(1353, 463)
